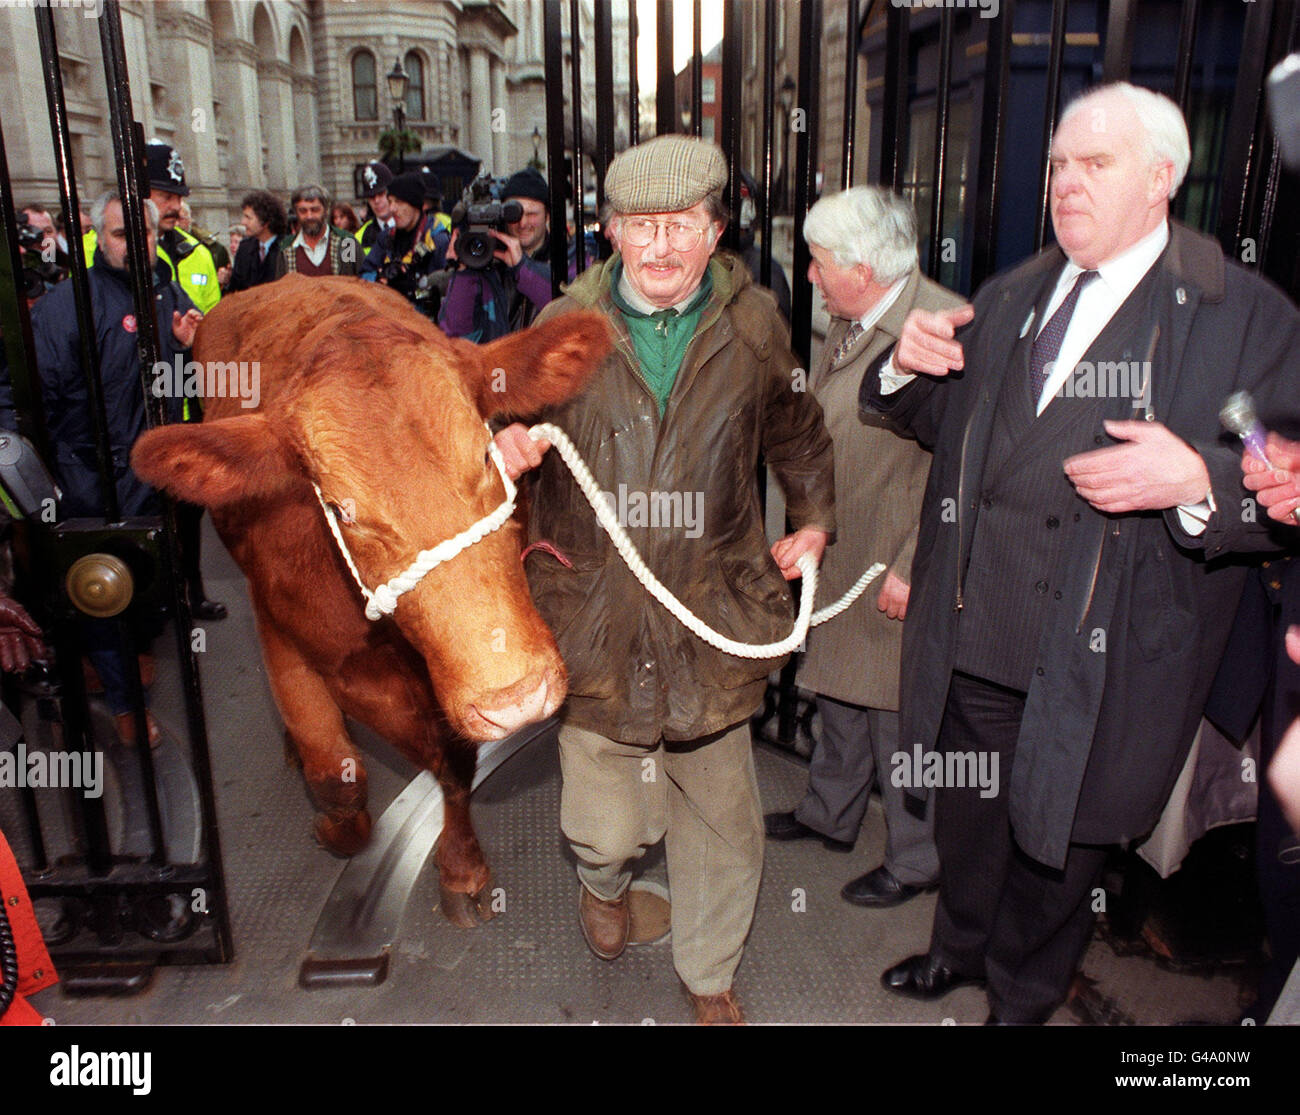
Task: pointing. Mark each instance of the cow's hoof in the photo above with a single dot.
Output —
(343, 833)
(465, 911)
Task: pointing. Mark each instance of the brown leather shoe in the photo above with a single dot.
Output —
(717, 1010)
(604, 924)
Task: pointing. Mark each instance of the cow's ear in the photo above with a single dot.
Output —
(550, 362)
(215, 463)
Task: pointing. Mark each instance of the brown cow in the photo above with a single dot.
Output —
(369, 400)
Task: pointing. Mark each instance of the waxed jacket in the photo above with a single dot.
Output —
(685, 485)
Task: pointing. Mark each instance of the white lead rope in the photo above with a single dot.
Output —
(627, 551)
(383, 600)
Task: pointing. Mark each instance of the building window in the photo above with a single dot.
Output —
(414, 67)
(708, 90)
(365, 93)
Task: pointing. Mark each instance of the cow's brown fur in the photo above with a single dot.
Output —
(385, 413)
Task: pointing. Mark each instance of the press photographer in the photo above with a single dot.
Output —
(502, 255)
(411, 256)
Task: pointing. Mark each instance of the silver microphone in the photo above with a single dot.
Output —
(1238, 416)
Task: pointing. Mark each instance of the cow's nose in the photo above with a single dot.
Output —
(514, 713)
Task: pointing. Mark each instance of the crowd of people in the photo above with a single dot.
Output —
(1063, 566)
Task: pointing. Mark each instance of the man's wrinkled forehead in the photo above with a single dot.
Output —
(1096, 125)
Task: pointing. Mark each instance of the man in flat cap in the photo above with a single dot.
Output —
(655, 738)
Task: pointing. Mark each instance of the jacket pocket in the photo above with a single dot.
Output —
(1156, 615)
(575, 605)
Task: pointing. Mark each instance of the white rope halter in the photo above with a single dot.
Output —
(627, 551)
(383, 600)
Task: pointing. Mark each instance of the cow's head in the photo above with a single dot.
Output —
(374, 404)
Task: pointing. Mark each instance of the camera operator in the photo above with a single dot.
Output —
(411, 255)
(493, 295)
(42, 260)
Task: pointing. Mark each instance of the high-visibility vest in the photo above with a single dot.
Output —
(197, 272)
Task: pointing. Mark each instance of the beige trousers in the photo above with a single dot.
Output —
(701, 798)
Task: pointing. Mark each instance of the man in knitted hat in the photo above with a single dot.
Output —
(411, 255)
(483, 304)
(655, 739)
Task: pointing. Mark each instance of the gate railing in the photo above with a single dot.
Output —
(127, 880)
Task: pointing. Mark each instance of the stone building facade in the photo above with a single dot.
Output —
(275, 93)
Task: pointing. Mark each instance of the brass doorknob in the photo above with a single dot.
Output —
(100, 585)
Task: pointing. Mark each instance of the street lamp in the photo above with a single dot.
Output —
(787, 103)
(397, 83)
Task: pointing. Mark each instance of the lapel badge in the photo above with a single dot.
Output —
(1180, 296)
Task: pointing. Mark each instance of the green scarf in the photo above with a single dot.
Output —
(661, 338)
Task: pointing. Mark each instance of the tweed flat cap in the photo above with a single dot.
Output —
(664, 175)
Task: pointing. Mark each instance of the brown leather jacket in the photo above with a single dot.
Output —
(686, 487)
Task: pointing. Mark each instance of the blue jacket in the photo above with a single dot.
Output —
(63, 387)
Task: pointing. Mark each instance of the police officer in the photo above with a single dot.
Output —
(181, 257)
(184, 259)
(375, 180)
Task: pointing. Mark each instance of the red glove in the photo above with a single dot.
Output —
(21, 640)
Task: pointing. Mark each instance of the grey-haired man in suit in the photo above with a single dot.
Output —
(870, 282)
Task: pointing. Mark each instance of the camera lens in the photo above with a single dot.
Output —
(475, 249)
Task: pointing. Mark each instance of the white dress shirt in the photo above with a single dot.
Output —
(1098, 301)
(318, 253)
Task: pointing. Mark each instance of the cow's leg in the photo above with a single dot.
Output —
(464, 881)
(335, 774)
(397, 702)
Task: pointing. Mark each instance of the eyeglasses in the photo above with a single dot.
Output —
(641, 231)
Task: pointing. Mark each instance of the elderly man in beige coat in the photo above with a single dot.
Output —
(870, 282)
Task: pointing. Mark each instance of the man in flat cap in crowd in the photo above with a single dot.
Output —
(655, 739)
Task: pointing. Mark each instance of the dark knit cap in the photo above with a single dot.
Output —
(408, 187)
(527, 183)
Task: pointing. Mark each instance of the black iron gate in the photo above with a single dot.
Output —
(955, 105)
(118, 841)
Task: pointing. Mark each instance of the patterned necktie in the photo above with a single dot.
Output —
(850, 339)
(1047, 345)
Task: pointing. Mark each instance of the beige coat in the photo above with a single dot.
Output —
(879, 483)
